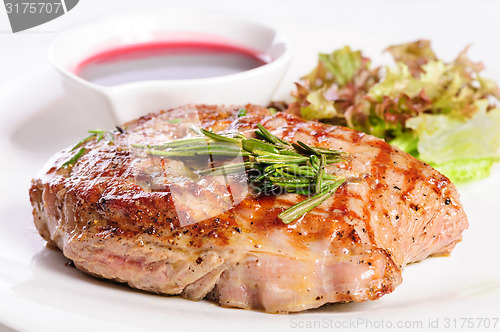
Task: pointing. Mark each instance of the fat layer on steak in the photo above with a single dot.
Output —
(115, 215)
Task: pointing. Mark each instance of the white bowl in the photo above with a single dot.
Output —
(130, 100)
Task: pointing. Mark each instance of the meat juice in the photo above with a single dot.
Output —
(168, 61)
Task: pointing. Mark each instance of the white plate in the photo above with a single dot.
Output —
(39, 292)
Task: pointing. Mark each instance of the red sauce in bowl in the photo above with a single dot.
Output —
(168, 61)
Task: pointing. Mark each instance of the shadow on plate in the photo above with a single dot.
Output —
(56, 283)
(56, 125)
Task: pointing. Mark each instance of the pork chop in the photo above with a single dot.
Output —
(116, 214)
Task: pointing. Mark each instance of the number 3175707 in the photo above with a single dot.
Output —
(33, 7)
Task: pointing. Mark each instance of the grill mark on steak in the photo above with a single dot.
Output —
(109, 218)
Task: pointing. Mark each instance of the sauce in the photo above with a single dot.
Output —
(167, 61)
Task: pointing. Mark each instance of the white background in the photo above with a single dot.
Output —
(368, 24)
(314, 26)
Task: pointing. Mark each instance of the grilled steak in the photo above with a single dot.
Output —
(113, 212)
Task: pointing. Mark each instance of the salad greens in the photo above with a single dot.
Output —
(446, 114)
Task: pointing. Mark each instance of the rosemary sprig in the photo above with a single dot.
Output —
(226, 169)
(202, 151)
(298, 210)
(221, 138)
(74, 159)
(242, 112)
(252, 144)
(98, 134)
(271, 162)
(263, 132)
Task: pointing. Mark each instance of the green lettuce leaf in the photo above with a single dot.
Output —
(338, 67)
(342, 64)
(339, 81)
(408, 142)
(466, 169)
(461, 148)
(398, 80)
(413, 54)
(443, 138)
(319, 107)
